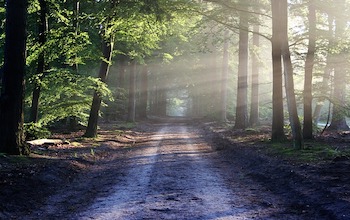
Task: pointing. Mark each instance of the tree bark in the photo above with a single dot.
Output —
(242, 82)
(327, 71)
(144, 93)
(107, 48)
(254, 107)
(214, 84)
(132, 100)
(12, 139)
(121, 72)
(277, 95)
(309, 64)
(338, 117)
(41, 62)
(224, 76)
(289, 81)
(162, 103)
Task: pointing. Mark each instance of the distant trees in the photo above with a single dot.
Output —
(132, 92)
(143, 92)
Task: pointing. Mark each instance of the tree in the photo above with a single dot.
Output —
(254, 107)
(143, 93)
(12, 91)
(42, 27)
(132, 91)
(242, 82)
(277, 97)
(288, 77)
(55, 47)
(224, 77)
(326, 72)
(338, 117)
(107, 48)
(309, 63)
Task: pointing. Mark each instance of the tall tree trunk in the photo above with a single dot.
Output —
(338, 118)
(132, 92)
(214, 83)
(156, 100)
(291, 101)
(107, 48)
(277, 90)
(73, 121)
(162, 104)
(224, 77)
(289, 81)
(242, 82)
(254, 107)
(152, 92)
(327, 71)
(309, 64)
(121, 72)
(41, 61)
(144, 93)
(77, 30)
(12, 139)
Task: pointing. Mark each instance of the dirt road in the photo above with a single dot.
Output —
(174, 177)
(174, 174)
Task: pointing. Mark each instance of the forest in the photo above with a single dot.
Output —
(250, 62)
(274, 68)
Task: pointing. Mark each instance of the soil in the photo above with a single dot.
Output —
(173, 170)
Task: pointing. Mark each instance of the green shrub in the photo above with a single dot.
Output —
(35, 131)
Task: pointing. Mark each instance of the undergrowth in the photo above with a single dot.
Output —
(312, 152)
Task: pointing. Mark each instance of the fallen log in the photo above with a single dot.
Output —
(46, 142)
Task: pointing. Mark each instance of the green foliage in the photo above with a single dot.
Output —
(116, 108)
(63, 46)
(35, 131)
(138, 36)
(66, 94)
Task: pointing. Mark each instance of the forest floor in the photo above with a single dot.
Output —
(178, 170)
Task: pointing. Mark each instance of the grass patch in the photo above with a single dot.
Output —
(312, 152)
